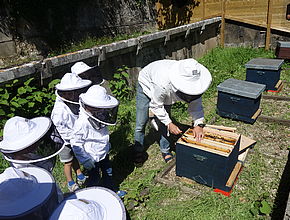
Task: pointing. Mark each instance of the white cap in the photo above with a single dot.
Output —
(71, 81)
(19, 133)
(97, 96)
(24, 189)
(90, 204)
(190, 77)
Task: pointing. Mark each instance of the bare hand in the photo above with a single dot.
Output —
(173, 129)
(198, 133)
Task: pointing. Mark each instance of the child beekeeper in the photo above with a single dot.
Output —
(64, 114)
(31, 142)
(90, 141)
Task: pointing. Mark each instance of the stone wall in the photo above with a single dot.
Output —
(241, 34)
(34, 27)
(187, 41)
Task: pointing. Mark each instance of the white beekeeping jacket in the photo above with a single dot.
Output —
(63, 119)
(155, 83)
(88, 142)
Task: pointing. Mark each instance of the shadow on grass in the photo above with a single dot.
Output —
(122, 148)
(282, 194)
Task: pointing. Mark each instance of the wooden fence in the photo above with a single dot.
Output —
(269, 14)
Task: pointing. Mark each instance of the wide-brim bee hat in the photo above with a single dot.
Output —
(90, 204)
(190, 77)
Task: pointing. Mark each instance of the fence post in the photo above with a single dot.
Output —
(269, 21)
(223, 8)
(203, 9)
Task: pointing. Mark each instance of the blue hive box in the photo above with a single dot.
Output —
(264, 71)
(240, 100)
(207, 164)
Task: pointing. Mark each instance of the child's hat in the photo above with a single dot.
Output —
(71, 81)
(23, 190)
(19, 132)
(97, 96)
(90, 204)
(190, 77)
(81, 69)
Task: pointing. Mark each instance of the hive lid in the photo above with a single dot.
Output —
(285, 44)
(264, 63)
(241, 88)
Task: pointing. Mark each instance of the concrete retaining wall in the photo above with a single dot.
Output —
(187, 41)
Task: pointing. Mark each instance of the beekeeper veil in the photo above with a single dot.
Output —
(69, 89)
(99, 106)
(31, 141)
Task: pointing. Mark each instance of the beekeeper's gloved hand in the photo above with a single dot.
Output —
(89, 164)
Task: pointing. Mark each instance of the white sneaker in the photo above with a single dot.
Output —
(73, 187)
(81, 182)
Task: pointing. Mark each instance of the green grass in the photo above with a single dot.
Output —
(90, 42)
(258, 181)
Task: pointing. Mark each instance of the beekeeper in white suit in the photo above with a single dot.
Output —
(87, 72)
(64, 114)
(27, 193)
(31, 142)
(92, 203)
(90, 140)
(160, 84)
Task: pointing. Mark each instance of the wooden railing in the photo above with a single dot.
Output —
(269, 14)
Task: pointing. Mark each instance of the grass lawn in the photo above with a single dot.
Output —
(258, 183)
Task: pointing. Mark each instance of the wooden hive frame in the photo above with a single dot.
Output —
(215, 141)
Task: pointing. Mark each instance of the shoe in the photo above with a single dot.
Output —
(73, 187)
(121, 193)
(82, 181)
(167, 157)
(140, 157)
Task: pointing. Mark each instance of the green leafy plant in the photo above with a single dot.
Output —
(25, 100)
(120, 86)
(261, 206)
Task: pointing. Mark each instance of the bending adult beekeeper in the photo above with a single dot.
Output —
(161, 84)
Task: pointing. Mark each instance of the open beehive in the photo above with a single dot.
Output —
(210, 161)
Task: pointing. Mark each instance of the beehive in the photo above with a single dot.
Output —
(211, 161)
(264, 71)
(240, 100)
(283, 50)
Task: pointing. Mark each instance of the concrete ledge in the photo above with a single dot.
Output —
(61, 64)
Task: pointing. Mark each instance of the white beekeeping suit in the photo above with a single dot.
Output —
(160, 84)
(90, 141)
(65, 110)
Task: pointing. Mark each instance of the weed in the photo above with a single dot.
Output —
(120, 86)
(26, 100)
